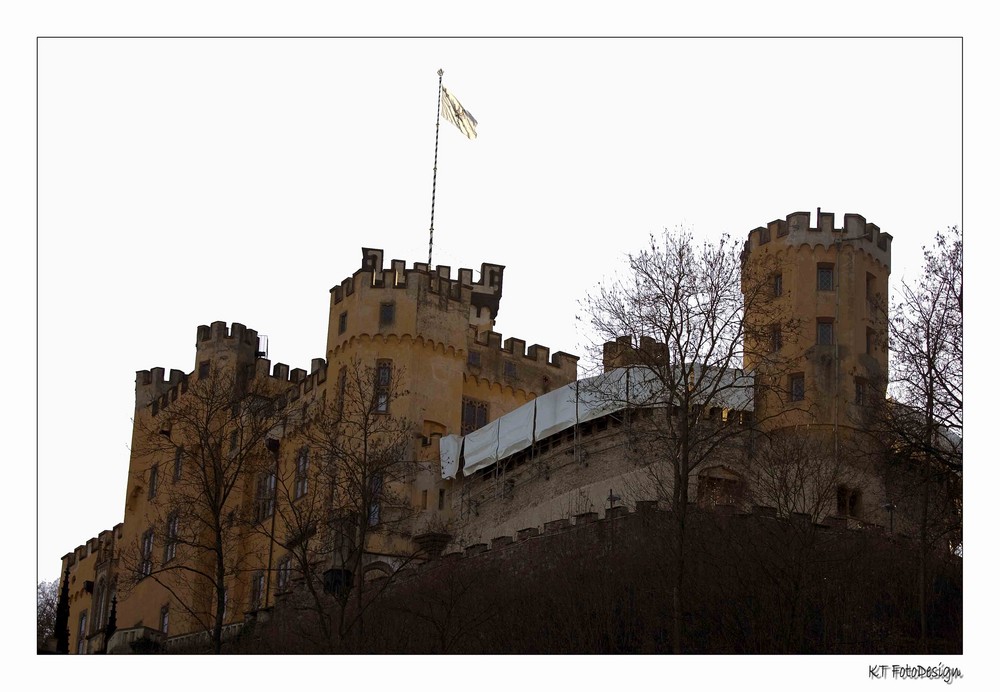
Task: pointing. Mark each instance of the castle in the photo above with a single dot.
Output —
(497, 436)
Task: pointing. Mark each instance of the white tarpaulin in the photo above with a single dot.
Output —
(481, 447)
(451, 449)
(579, 402)
(587, 399)
(724, 388)
(516, 430)
(645, 387)
(601, 395)
(555, 411)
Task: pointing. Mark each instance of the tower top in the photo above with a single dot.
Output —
(795, 230)
(482, 293)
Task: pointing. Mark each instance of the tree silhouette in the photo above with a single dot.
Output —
(199, 459)
(684, 318)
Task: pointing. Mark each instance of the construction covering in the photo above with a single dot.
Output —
(481, 447)
(451, 450)
(579, 402)
(555, 411)
(517, 430)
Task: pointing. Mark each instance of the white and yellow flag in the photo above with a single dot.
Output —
(456, 114)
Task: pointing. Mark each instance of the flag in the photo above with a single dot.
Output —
(456, 114)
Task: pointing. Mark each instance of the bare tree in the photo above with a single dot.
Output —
(202, 454)
(921, 423)
(360, 457)
(48, 598)
(687, 304)
(796, 473)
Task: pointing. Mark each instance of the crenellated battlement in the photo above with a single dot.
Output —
(153, 389)
(796, 230)
(221, 333)
(151, 385)
(638, 518)
(485, 292)
(514, 348)
(103, 539)
(623, 352)
(281, 373)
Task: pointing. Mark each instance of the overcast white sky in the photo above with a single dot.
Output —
(182, 181)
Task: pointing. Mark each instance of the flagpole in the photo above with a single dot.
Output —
(437, 129)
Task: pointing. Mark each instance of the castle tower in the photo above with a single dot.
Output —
(816, 338)
(436, 332)
(439, 330)
(223, 347)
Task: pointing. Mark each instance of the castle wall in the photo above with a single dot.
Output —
(620, 455)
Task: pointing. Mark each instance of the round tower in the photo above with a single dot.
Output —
(816, 300)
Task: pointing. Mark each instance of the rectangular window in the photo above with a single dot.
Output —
(178, 462)
(342, 323)
(797, 386)
(170, 547)
(474, 358)
(475, 414)
(869, 287)
(423, 499)
(204, 368)
(775, 338)
(165, 619)
(265, 495)
(824, 277)
(302, 473)
(154, 479)
(81, 637)
(778, 289)
(824, 332)
(375, 499)
(257, 591)
(386, 314)
(860, 391)
(441, 499)
(871, 344)
(341, 389)
(509, 369)
(234, 442)
(146, 554)
(848, 501)
(383, 383)
(284, 573)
